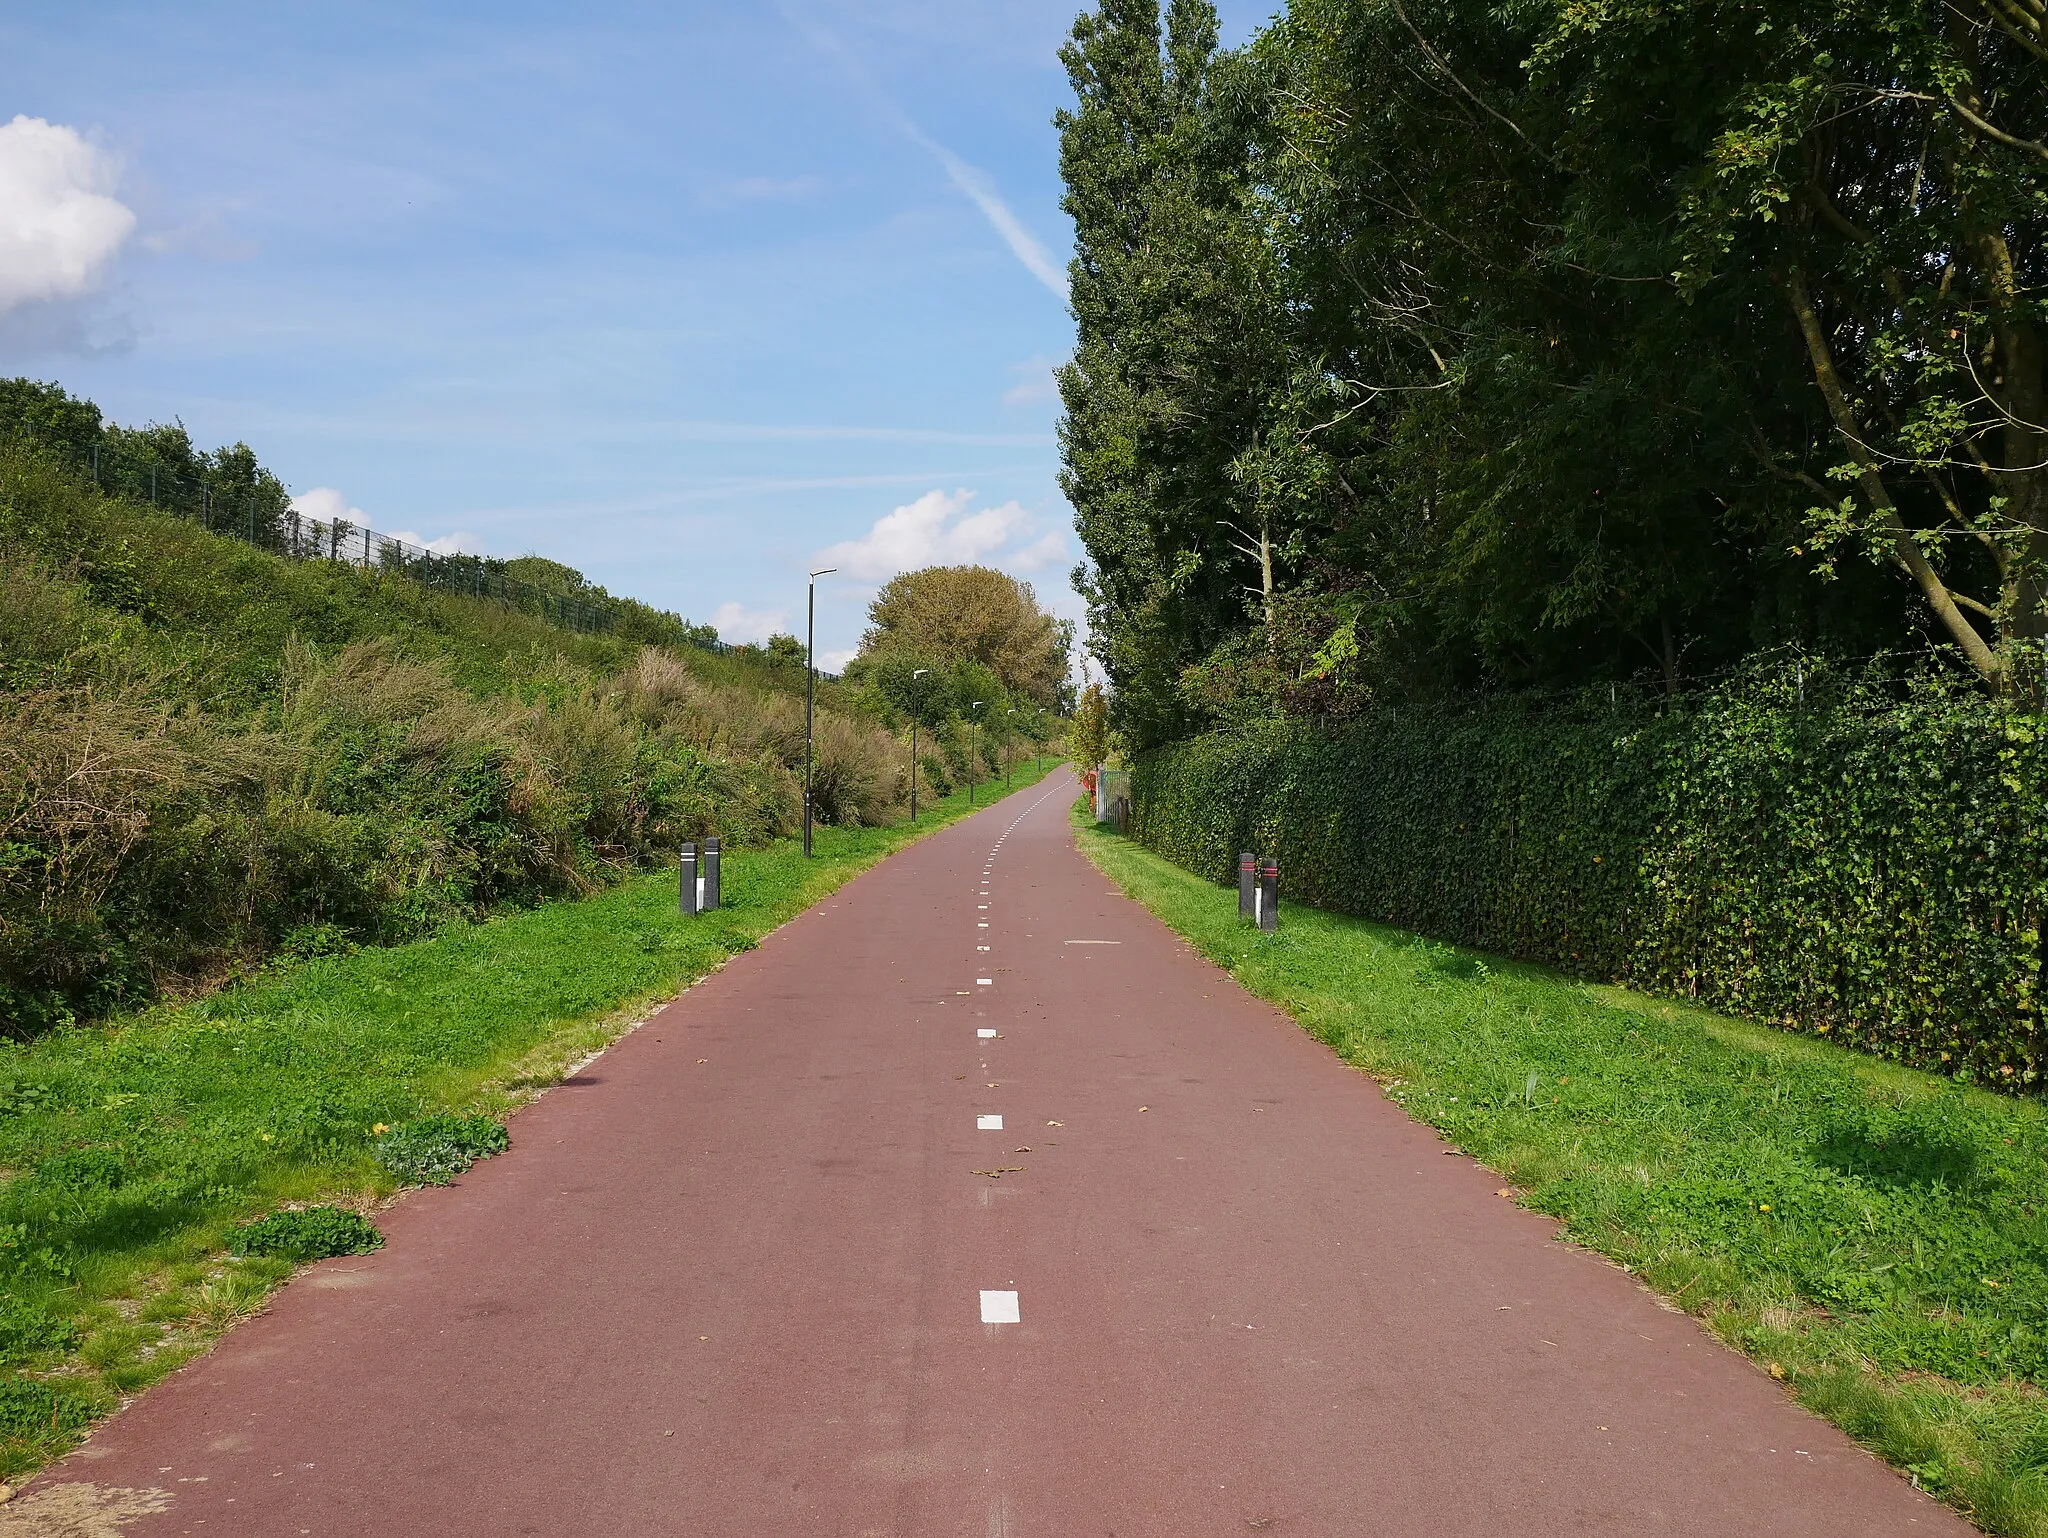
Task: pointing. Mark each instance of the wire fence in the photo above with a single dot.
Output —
(259, 512)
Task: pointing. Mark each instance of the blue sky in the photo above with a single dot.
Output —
(689, 296)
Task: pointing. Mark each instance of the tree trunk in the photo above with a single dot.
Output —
(1878, 495)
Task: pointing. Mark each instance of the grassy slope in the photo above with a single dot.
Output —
(132, 1148)
(1877, 1238)
(220, 612)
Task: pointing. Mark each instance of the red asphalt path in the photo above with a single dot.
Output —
(727, 1283)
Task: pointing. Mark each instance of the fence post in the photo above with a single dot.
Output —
(1269, 896)
(711, 891)
(1247, 882)
(689, 894)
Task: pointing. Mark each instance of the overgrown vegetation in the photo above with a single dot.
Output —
(1427, 346)
(210, 756)
(308, 1233)
(433, 1150)
(1875, 1237)
(137, 1149)
(1823, 852)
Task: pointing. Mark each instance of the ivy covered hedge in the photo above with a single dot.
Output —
(1853, 857)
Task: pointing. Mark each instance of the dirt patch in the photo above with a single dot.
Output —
(78, 1511)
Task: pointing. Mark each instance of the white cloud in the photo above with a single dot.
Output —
(461, 542)
(943, 528)
(835, 662)
(1039, 383)
(1023, 245)
(1046, 551)
(738, 624)
(935, 530)
(327, 504)
(60, 225)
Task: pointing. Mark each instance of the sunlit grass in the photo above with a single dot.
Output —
(1877, 1238)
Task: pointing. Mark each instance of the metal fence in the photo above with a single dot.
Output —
(262, 515)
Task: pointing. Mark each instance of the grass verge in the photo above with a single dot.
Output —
(130, 1152)
(1876, 1238)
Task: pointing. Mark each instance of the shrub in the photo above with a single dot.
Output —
(433, 1150)
(1845, 856)
(308, 1233)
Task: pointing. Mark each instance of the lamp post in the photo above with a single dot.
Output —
(810, 689)
(1006, 745)
(915, 702)
(970, 756)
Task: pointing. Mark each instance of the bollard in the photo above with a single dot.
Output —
(1269, 896)
(1247, 883)
(691, 896)
(711, 898)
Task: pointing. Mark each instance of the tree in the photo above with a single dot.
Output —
(972, 614)
(1089, 740)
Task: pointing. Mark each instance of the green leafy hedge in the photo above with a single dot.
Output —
(1846, 856)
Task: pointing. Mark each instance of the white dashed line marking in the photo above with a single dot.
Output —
(985, 1033)
(988, 1124)
(1000, 1308)
(984, 982)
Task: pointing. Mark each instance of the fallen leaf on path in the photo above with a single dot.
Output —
(1023, 1150)
(1000, 1171)
(1144, 1108)
(1055, 1124)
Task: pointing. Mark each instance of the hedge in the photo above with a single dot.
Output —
(1857, 857)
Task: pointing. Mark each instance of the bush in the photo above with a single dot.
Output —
(309, 1233)
(435, 1149)
(1852, 857)
(210, 756)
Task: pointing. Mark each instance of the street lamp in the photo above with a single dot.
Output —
(970, 758)
(1006, 744)
(915, 702)
(810, 690)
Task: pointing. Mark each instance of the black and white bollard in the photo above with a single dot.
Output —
(711, 898)
(1269, 896)
(689, 884)
(1247, 884)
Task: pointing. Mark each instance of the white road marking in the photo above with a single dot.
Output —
(981, 947)
(981, 923)
(1091, 942)
(986, 1033)
(1000, 1308)
(988, 1124)
(984, 982)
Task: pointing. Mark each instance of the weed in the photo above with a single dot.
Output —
(435, 1149)
(310, 1233)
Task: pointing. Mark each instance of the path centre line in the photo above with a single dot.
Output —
(988, 1124)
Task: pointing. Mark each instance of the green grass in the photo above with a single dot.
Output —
(1876, 1238)
(130, 1152)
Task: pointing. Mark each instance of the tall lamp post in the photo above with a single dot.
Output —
(810, 690)
(970, 756)
(1006, 744)
(916, 700)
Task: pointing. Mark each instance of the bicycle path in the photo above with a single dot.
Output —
(766, 1268)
